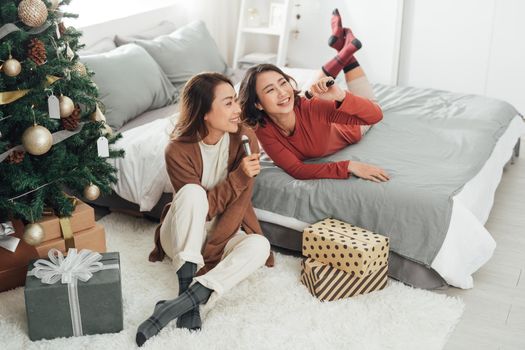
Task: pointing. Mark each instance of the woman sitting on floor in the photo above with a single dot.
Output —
(210, 226)
(292, 129)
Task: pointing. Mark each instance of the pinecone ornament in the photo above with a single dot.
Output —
(61, 28)
(37, 51)
(16, 157)
(71, 122)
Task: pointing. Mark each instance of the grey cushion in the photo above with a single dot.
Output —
(130, 82)
(164, 27)
(185, 52)
(103, 45)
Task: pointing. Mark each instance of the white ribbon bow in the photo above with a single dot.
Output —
(75, 266)
(9, 243)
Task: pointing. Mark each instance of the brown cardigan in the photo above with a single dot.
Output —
(229, 200)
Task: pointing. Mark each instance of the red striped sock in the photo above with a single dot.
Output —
(345, 56)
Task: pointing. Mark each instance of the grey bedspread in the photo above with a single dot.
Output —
(430, 142)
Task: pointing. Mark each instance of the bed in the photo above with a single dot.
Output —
(445, 153)
(433, 209)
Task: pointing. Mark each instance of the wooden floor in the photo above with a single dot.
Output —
(494, 316)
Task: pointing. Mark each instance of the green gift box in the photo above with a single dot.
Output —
(75, 295)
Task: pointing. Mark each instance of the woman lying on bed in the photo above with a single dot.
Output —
(292, 128)
(210, 226)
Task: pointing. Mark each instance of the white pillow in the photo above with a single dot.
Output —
(101, 46)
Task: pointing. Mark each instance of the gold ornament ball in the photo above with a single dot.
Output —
(80, 69)
(37, 140)
(12, 67)
(32, 13)
(34, 234)
(66, 106)
(54, 4)
(91, 192)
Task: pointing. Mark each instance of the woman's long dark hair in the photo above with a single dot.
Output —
(248, 95)
(197, 97)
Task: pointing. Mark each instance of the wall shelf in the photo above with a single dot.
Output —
(279, 30)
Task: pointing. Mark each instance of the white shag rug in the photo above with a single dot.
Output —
(269, 310)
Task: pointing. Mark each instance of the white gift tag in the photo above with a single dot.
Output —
(54, 107)
(103, 147)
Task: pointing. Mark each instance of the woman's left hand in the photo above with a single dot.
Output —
(320, 90)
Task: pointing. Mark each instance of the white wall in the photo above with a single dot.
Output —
(506, 71)
(375, 22)
(220, 17)
(126, 25)
(470, 46)
(379, 32)
(446, 44)
(100, 11)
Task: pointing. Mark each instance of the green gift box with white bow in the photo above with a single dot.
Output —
(73, 296)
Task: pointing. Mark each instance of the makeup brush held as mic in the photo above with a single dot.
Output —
(246, 145)
(309, 95)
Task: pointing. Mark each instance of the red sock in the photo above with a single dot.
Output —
(353, 61)
(337, 39)
(345, 57)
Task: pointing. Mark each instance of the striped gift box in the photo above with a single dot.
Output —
(328, 283)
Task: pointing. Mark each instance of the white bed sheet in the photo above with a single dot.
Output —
(142, 175)
(468, 245)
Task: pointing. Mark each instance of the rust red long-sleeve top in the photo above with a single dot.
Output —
(321, 128)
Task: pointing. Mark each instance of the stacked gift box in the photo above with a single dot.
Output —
(80, 231)
(343, 260)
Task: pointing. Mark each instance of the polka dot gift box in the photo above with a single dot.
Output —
(345, 247)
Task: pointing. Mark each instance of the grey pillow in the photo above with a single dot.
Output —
(164, 27)
(130, 82)
(185, 52)
(103, 45)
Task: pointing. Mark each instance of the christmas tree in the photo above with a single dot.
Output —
(53, 136)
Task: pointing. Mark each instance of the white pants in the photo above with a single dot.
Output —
(183, 234)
